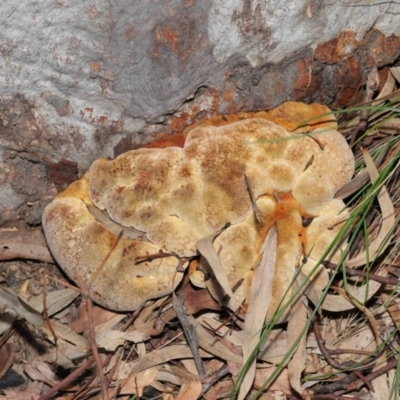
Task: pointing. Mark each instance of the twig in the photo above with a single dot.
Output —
(350, 383)
(373, 375)
(156, 256)
(326, 354)
(85, 292)
(365, 310)
(377, 278)
(356, 272)
(100, 267)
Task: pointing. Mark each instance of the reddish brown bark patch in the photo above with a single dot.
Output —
(63, 173)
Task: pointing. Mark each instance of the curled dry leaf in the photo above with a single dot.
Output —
(177, 196)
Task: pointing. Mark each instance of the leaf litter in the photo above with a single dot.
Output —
(351, 341)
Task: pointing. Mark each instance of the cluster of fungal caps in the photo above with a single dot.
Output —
(241, 173)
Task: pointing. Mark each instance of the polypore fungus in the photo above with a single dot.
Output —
(230, 169)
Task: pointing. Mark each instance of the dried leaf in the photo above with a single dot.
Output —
(55, 301)
(11, 394)
(211, 344)
(261, 292)
(297, 320)
(388, 87)
(221, 390)
(41, 372)
(112, 339)
(24, 244)
(190, 391)
(70, 345)
(161, 356)
(361, 179)
(281, 382)
(152, 326)
(206, 248)
(138, 381)
(338, 303)
(111, 323)
(395, 71)
(198, 300)
(211, 321)
(275, 347)
(11, 301)
(168, 376)
(388, 220)
(177, 375)
(6, 358)
(99, 316)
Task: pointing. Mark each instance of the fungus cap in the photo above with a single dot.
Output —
(173, 197)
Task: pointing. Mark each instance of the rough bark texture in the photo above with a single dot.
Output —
(82, 80)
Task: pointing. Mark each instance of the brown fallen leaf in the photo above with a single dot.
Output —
(11, 394)
(281, 382)
(261, 292)
(112, 339)
(138, 381)
(206, 248)
(361, 179)
(161, 356)
(12, 303)
(221, 389)
(338, 303)
(380, 243)
(55, 301)
(212, 344)
(41, 372)
(24, 244)
(176, 375)
(198, 299)
(388, 87)
(395, 72)
(6, 358)
(99, 316)
(190, 391)
(297, 320)
(70, 345)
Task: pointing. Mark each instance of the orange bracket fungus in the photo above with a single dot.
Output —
(237, 175)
